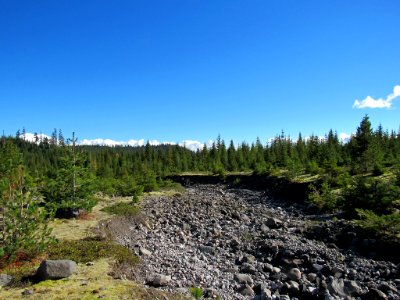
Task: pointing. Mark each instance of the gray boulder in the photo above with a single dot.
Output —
(248, 268)
(274, 223)
(55, 269)
(158, 280)
(144, 251)
(243, 278)
(5, 279)
(343, 288)
(294, 274)
(246, 290)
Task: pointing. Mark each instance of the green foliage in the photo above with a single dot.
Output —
(83, 251)
(374, 194)
(325, 199)
(122, 209)
(169, 185)
(385, 224)
(127, 171)
(378, 170)
(312, 168)
(23, 223)
(262, 169)
(196, 292)
(72, 185)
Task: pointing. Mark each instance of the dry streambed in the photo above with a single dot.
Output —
(236, 244)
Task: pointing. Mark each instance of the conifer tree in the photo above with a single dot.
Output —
(23, 225)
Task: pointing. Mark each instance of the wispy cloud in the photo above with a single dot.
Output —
(370, 102)
(344, 137)
(189, 144)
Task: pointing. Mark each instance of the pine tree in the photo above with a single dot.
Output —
(23, 225)
(364, 152)
(70, 190)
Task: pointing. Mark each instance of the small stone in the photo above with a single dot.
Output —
(243, 278)
(27, 292)
(317, 267)
(249, 259)
(294, 274)
(210, 293)
(268, 268)
(144, 252)
(312, 277)
(375, 294)
(5, 279)
(351, 287)
(266, 294)
(207, 249)
(264, 228)
(246, 290)
(247, 268)
(274, 223)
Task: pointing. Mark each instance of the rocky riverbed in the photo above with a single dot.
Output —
(240, 244)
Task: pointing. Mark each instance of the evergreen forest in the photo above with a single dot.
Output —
(360, 177)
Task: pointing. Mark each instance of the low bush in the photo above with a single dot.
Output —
(122, 209)
(196, 292)
(388, 225)
(324, 198)
(86, 250)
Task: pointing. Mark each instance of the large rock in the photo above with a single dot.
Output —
(342, 288)
(274, 223)
(158, 280)
(246, 290)
(5, 279)
(243, 278)
(248, 268)
(55, 269)
(375, 294)
(294, 274)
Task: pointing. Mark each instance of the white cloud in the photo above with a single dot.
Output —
(344, 137)
(30, 137)
(189, 144)
(370, 102)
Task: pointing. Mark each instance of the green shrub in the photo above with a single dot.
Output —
(374, 194)
(122, 209)
(86, 250)
(378, 170)
(196, 292)
(324, 198)
(384, 224)
(168, 184)
(312, 168)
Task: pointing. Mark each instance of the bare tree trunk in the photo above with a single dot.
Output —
(74, 163)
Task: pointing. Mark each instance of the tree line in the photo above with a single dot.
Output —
(57, 175)
(366, 151)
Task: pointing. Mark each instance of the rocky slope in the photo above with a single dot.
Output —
(239, 244)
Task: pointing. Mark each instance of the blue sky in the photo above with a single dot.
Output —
(192, 69)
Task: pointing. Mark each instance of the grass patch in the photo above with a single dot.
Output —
(75, 229)
(122, 209)
(86, 250)
(89, 282)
